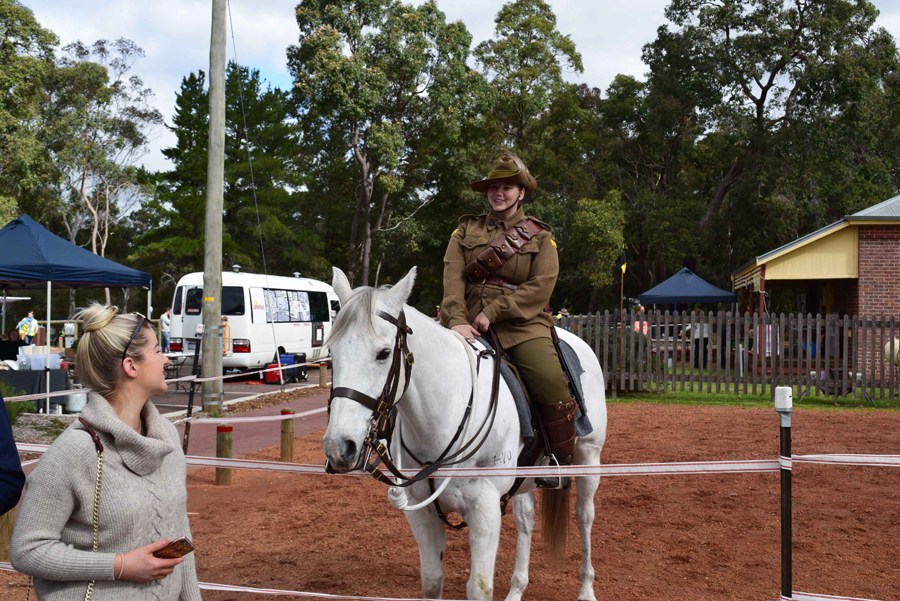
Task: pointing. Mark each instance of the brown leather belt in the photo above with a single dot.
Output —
(496, 280)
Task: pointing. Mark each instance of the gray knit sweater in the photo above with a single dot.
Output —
(143, 500)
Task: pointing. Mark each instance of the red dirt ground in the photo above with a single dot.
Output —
(697, 538)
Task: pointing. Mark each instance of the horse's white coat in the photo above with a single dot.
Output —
(430, 412)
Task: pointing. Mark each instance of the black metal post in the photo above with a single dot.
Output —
(783, 405)
(190, 409)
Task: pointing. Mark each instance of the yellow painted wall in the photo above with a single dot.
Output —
(833, 256)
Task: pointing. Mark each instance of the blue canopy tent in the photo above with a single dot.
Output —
(686, 287)
(33, 256)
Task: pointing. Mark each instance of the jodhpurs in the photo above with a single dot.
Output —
(539, 367)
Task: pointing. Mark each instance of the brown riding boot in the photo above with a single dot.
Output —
(559, 424)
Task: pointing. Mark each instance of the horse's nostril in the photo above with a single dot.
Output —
(349, 452)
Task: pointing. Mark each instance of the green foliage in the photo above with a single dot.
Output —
(16, 408)
(598, 228)
(382, 90)
(26, 59)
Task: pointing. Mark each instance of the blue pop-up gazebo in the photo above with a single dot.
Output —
(686, 287)
(31, 256)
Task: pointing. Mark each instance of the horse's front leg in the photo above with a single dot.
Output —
(431, 535)
(483, 518)
(523, 512)
(586, 454)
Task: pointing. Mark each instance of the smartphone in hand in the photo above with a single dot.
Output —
(177, 548)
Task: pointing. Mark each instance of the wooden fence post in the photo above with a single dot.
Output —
(287, 437)
(223, 449)
(323, 375)
(7, 521)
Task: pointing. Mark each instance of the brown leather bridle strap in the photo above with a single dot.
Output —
(454, 459)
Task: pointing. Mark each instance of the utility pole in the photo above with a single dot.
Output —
(215, 185)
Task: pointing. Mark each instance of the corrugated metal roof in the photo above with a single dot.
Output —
(889, 209)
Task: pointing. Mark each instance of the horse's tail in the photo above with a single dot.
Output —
(555, 522)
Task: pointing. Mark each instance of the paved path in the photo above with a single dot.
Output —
(253, 436)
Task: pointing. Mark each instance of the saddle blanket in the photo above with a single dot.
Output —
(569, 359)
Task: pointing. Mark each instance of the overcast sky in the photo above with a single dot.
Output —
(609, 35)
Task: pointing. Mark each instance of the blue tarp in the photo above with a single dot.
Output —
(686, 287)
(31, 256)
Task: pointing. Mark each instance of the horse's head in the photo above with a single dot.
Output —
(362, 345)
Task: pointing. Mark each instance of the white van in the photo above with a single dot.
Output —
(263, 313)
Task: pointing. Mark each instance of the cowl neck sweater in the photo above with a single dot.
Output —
(142, 454)
(143, 500)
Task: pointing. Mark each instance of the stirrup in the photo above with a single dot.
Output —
(553, 482)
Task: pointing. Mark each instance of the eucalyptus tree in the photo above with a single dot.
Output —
(26, 59)
(770, 71)
(384, 94)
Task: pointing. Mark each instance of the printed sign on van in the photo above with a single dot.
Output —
(258, 305)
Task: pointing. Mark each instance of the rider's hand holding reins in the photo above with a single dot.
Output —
(481, 323)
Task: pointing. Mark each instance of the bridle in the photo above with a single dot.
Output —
(384, 414)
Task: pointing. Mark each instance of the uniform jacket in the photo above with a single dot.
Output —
(516, 315)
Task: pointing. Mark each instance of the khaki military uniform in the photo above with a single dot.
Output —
(517, 316)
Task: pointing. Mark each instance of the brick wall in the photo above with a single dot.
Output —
(878, 289)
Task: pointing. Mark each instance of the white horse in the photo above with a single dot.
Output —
(429, 413)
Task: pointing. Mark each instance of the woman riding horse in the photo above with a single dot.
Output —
(499, 271)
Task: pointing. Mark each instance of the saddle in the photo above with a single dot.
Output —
(537, 445)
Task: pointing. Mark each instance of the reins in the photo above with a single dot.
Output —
(384, 415)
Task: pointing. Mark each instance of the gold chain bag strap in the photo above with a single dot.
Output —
(99, 446)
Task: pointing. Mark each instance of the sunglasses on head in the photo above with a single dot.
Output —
(137, 331)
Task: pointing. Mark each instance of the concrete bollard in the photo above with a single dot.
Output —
(7, 521)
(223, 449)
(323, 375)
(287, 437)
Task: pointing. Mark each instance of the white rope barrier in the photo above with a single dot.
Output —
(208, 586)
(244, 420)
(813, 597)
(48, 395)
(635, 469)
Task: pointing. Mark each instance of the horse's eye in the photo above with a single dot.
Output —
(383, 354)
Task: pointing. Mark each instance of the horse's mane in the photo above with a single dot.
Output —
(358, 310)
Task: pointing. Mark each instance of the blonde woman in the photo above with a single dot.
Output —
(143, 495)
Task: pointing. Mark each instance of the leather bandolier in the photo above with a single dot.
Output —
(501, 249)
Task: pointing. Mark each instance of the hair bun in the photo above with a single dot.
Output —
(97, 316)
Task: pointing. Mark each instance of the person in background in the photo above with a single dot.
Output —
(165, 323)
(143, 497)
(9, 348)
(701, 340)
(11, 477)
(28, 328)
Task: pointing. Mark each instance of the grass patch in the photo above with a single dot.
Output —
(53, 429)
(751, 400)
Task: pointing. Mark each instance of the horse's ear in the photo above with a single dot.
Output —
(397, 295)
(341, 285)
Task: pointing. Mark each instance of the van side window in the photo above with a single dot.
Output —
(193, 301)
(318, 307)
(176, 306)
(335, 306)
(232, 300)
